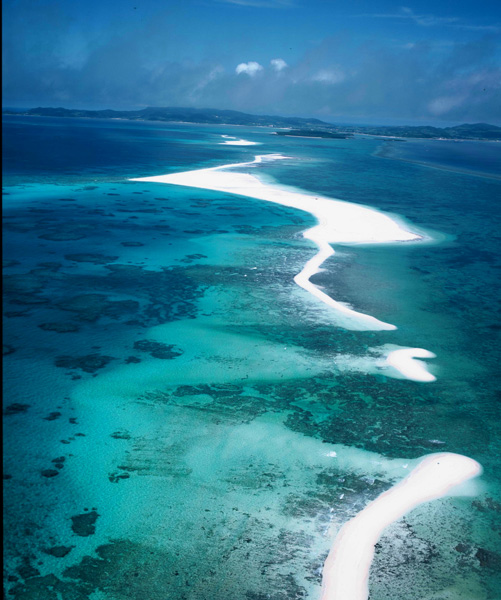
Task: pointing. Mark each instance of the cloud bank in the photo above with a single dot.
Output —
(336, 77)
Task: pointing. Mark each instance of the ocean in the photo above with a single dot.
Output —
(197, 396)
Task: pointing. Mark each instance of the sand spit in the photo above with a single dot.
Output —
(338, 222)
(346, 569)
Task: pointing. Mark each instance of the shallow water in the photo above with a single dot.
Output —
(183, 421)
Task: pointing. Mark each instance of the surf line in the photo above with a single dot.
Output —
(233, 141)
(338, 222)
(346, 570)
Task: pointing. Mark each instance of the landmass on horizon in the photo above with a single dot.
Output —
(316, 127)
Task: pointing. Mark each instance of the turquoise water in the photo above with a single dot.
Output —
(174, 401)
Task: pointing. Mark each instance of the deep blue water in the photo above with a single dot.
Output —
(171, 397)
(482, 158)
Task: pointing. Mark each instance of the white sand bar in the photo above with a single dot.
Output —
(338, 222)
(405, 361)
(346, 570)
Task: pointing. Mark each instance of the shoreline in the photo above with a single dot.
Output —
(279, 127)
(338, 222)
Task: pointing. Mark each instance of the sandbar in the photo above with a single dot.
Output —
(405, 361)
(339, 222)
(346, 569)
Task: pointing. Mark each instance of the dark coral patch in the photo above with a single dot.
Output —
(52, 416)
(158, 349)
(62, 236)
(132, 359)
(50, 473)
(50, 265)
(95, 259)
(59, 327)
(84, 524)
(16, 408)
(120, 435)
(488, 559)
(189, 258)
(90, 363)
(90, 307)
(59, 551)
(115, 477)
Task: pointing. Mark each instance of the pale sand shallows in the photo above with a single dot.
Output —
(338, 222)
(346, 569)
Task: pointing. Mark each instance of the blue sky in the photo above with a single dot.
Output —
(363, 61)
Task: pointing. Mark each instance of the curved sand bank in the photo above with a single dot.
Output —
(405, 361)
(399, 362)
(346, 569)
(338, 222)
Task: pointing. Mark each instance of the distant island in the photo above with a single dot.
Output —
(314, 133)
(477, 131)
(208, 116)
(300, 127)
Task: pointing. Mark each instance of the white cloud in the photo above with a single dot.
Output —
(278, 64)
(406, 13)
(329, 76)
(251, 68)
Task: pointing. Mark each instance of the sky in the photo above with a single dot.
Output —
(364, 61)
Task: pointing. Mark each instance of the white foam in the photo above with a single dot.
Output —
(338, 222)
(233, 141)
(346, 570)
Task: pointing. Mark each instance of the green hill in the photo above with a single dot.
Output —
(304, 127)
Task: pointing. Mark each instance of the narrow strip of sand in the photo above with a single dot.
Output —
(338, 222)
(346, 570)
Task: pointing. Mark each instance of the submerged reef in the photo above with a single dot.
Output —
(196, 476)
(157, 349)
(90, 363)
(85, 523)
